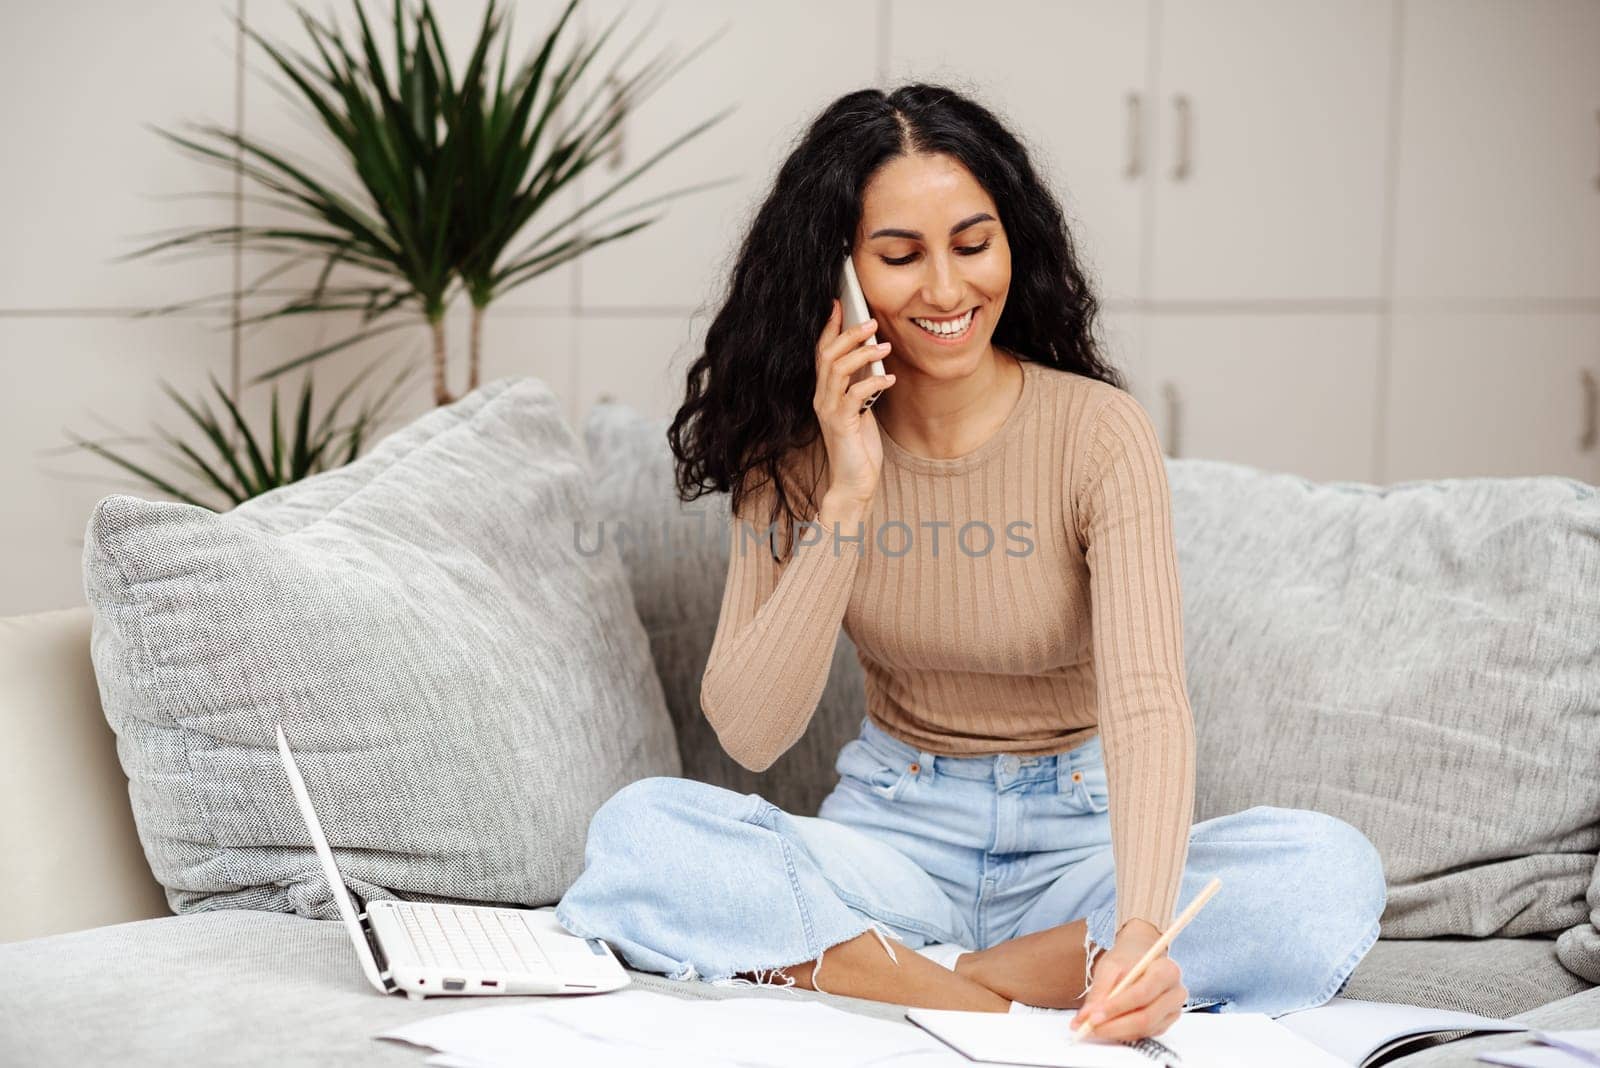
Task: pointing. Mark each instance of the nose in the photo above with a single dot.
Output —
(942, 286)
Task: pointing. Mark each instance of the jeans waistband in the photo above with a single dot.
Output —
(995, 767)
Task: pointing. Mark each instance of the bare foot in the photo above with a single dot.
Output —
(860, 968)
(1044, 968)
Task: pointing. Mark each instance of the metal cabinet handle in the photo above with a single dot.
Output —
(1597, 127)
(1180, 104)
(1135, 165)
(1169, 393)
(1591, 400)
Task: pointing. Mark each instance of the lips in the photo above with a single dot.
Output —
(956, 339)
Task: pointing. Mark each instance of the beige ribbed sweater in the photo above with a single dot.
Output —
(1070, 623)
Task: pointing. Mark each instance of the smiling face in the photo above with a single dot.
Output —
(930, 247)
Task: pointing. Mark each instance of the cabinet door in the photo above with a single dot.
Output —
(1294, 393)
(1498, 190)
(778, 66)
(1121, 335)
(1273, 120)
(1071, 87)
(1493, 394)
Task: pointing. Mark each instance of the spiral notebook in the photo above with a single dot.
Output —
(1196, 1040)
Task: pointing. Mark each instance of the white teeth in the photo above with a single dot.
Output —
(951, 328)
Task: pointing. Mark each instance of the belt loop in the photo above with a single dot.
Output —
(1069, 771)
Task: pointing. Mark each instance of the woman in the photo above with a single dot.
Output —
(995, 535)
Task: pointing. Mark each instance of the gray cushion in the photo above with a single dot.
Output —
(257, 988)
(1579, 945)
(1421, 660)
(462, 685)
(676, 556)
(1497, 977)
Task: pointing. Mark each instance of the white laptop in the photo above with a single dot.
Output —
(429, 950)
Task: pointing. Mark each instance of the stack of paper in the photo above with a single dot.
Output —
(1557, 1049)
(640, 1027)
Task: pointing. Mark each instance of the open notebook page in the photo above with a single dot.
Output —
(1202, 1039)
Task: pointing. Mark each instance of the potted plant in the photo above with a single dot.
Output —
(235, 461)
(451, 173)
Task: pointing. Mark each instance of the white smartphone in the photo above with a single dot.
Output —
(853, 306)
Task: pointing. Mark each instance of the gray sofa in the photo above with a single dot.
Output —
(1419, 660)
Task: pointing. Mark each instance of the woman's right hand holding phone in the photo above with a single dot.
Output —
(849, 431)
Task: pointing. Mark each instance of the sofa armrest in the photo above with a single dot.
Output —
(70, 856)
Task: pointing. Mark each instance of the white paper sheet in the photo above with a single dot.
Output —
(1534, 1057)
(1583, 1043)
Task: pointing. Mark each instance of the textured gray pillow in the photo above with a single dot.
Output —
(463, 684)
(676, 556)
(1579, 946)
(1421, 660)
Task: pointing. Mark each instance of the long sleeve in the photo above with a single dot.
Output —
(775, 637)
(1146, 725)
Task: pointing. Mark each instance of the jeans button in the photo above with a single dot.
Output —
(1009, 765)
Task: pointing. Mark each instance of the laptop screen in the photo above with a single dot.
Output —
(341, 896)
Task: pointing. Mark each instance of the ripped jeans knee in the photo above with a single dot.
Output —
(1091, 951)
(779, 977)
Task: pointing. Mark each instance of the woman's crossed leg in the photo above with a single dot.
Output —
(700, 882)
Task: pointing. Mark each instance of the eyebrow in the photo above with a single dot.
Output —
(915, 235)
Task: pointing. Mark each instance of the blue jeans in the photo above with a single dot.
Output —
(700, 882)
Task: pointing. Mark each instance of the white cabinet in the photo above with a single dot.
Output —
(777, 65)
(1498, 186)
(1121, 339)
(1290, 393)
(1217, 150)
(1493, 394)
(1070, 97)
(1272, 125)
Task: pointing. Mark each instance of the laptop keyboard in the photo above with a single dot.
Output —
(486, 939)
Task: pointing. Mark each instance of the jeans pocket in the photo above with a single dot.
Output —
(1089, 787)
(863, 768)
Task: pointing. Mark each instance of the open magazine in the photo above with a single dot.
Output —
(1366, 1033)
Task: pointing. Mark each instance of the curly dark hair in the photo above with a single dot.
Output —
(748, 405)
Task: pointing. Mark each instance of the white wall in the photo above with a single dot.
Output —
(1325, 294)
